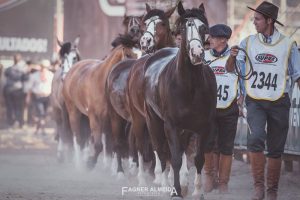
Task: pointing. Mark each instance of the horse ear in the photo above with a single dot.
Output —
(59, 42)
(201, 7)
(76, 42)
(148, 8)
(180, 9)
(125, 20)
(170, 11)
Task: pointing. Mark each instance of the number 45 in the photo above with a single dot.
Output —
(222, 92)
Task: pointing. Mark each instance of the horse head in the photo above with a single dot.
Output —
(132, 26)
(193, 26)
(157, 27)
(69, 55)
(124, 48)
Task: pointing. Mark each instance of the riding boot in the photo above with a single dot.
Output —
(216, 157)
(273, 175)
(257, 162)
(209, 172)
(224, 172)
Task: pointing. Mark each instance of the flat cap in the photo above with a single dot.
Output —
(220, 30)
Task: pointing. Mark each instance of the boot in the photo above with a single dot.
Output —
(273, 175)
(224, 172)
(257, 162)
(209, 172)
(216, 157)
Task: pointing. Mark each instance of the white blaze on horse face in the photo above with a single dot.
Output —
(195, 44)
(147, 40)
(68, 62)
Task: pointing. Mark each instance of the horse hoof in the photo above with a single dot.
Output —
(91, 164)
(202, 197)
(133, 170)
(184, 190)
(197, 194)
(120, 176)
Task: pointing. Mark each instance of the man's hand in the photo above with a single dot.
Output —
(231, 60)
(234, 51)
(298, 81)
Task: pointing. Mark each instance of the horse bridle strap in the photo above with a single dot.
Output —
(192, 20)
(152, 20)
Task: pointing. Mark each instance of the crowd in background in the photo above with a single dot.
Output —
(26, 92)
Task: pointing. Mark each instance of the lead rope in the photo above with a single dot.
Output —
(237, 68)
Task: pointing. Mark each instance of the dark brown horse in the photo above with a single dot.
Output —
(84, 94)
(69, 54)
(157, 23)
(133, 27)
(180, 96)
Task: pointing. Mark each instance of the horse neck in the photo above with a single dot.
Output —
(111, 61)
(167, 41)
(186, 73)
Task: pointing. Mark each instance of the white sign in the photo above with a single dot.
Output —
(33, 45)
(111, 10)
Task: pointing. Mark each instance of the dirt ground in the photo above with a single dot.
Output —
(29, 171)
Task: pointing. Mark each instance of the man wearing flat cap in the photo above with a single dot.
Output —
(220, 146)
(274, 57)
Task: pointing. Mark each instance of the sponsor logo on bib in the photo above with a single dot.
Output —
(266, 58)
(219, 70)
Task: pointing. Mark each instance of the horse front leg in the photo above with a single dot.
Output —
(118, 125)
(199, 162)
(158, 140)
(137, 129)
(95, 140)
(74, 119)
(176, 150)
(133, 155)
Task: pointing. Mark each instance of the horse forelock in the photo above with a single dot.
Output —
(65, 49)
(155, 12)
(196, 13)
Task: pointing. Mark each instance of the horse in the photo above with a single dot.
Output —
(69, 54)
(180, 97)
(157, 26)
(84, 94)
(133, 27)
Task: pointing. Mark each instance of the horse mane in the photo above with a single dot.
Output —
(65, 49)
(195, 12)
(125, 40)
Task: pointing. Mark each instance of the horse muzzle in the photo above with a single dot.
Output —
(196, 56)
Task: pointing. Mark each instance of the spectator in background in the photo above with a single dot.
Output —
(13, 91)
(39, 90)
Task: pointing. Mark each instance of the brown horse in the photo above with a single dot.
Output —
(117, 80)
(180, 96)
(69, 54)
(84, 94)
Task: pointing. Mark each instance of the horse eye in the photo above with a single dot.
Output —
(189, 23)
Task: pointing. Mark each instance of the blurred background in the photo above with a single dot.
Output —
(30, 27)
